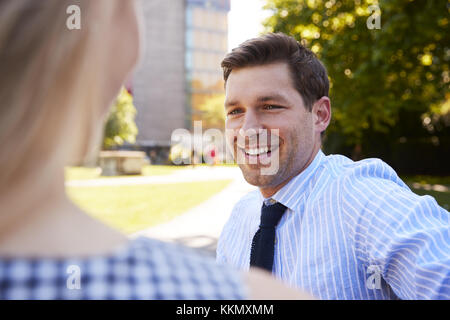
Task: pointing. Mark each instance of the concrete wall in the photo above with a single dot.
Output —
(159, 80)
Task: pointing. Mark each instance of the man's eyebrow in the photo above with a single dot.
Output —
(231, 103)
(272, 97)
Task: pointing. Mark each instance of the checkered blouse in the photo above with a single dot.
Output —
(144, 269)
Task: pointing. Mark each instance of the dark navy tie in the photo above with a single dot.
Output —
(263, 244)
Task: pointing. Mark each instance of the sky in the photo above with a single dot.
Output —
(244, 21)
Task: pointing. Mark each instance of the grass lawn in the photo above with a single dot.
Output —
(83, 173)
(132, 208)
(442, 197)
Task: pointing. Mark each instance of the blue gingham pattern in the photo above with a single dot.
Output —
(144, 269)
(352, 230)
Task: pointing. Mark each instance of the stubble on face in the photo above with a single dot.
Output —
(294, 153)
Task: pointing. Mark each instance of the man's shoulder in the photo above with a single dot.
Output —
(371, 168)
(363, 176)
(243, 209)
(249, 199)
(371, 179)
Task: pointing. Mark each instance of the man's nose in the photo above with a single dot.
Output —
(251, 121)
(251, 127)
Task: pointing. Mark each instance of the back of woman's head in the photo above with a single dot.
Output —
(55, 82)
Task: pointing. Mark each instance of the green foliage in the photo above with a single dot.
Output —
(213, 112)
(376, 75)
(120, 126)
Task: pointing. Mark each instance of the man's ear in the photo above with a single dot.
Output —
(321, 111)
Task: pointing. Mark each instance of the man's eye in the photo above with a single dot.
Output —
(272, 107)
(235, 111)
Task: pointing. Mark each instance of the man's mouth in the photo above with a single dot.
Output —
(257, 152)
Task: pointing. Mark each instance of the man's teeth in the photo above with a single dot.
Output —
(256, 151)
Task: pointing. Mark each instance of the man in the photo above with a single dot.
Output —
(337, 228)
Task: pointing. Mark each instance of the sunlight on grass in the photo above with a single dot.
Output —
(442, 197)
(84, 173)
(132, 208)
(157, 170)
(81, 173)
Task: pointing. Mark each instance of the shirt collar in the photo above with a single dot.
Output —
(290, 194)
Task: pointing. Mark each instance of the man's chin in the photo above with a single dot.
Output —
(252, 174)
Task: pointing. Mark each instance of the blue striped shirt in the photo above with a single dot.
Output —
(352, 230)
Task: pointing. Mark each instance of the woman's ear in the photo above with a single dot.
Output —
(322, 114)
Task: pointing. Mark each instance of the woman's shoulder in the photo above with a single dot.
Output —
(143, 269)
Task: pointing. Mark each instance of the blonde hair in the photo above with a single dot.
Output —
(50, 85)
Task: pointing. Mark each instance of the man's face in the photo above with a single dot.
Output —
(263, 97)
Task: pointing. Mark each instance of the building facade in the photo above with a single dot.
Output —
(185, 41)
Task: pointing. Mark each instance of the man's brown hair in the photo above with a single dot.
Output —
(308, 74)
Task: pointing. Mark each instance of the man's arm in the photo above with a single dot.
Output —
(405, 235)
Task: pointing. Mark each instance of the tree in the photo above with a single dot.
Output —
(213, 112)
(379, 77)
(120, 126)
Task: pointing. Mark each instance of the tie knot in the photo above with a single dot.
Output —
(271, 215)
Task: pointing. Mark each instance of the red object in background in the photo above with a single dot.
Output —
(129, 85)
(212, 153)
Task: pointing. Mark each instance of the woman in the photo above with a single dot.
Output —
(55, 88)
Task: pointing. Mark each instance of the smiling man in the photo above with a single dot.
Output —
(337, 228)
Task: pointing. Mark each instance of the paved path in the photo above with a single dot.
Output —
(200, 226)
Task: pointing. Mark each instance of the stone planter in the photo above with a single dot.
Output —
(120, 162)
